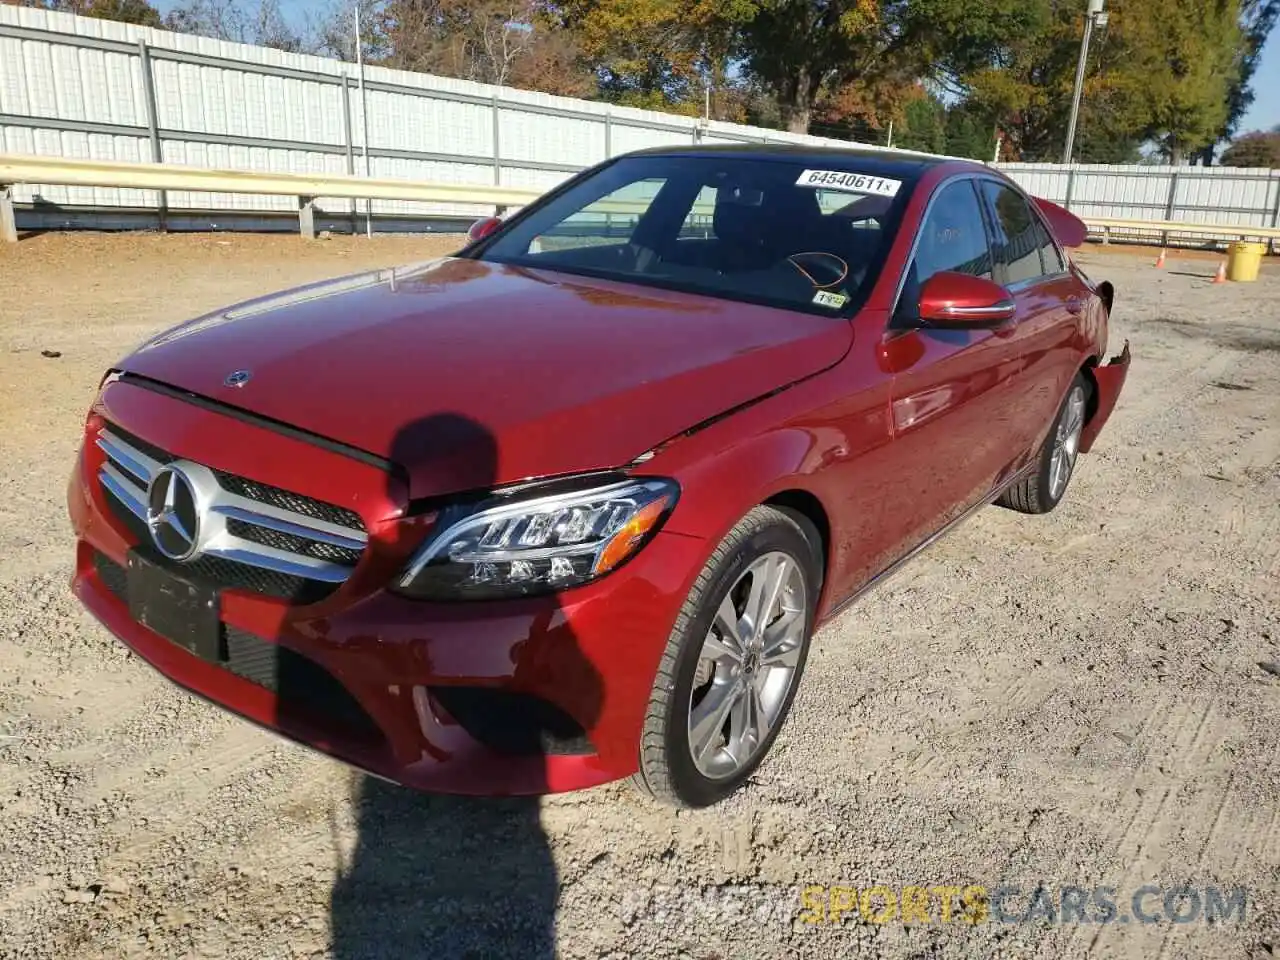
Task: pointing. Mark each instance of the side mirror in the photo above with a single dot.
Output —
(960, 300)
(482, 228)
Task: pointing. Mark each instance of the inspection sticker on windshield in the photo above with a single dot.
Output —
(854, 182)
(825, 298)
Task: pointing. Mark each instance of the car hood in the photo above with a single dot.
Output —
(469, 374)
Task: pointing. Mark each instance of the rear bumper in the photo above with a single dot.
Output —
(1109, 380)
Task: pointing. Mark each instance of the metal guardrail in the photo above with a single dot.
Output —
(15, 169)
(19, 169)
(1236, 231)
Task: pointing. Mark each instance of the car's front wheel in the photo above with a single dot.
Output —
(733, 660)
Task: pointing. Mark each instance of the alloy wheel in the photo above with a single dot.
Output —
(1066, 443)
(747, 665)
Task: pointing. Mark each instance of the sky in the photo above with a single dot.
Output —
(1265, 112)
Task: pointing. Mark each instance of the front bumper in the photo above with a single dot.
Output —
(1109, 380)
(403, 689)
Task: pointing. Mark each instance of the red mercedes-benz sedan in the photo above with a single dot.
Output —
(568, 506)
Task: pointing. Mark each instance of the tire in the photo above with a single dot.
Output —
(1042, 490)
(768, 545)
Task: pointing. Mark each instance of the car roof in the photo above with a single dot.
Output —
(879, 161)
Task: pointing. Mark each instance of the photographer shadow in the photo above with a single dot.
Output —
(439, 876)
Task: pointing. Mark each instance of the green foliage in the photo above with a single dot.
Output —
(1156, 72)
(1188, 56)
(1258, 18)
(801, 48)
(1176, 75)
(1028, 90)
(1256, 149)
(923, 126)
(125, 11)
(655, 53)
(970, 133)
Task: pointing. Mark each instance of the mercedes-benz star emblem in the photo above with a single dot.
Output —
(172, 517)
(238, 378)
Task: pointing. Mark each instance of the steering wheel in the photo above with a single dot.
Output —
(823, 270)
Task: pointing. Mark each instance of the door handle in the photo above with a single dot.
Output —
(1075, 305)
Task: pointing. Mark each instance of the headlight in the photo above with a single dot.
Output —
(524, 545)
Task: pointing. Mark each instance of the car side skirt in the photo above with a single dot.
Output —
(887, 573)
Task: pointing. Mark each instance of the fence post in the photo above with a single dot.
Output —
(349, 136)
(1170, 206)
(497, 140)
(8, 221)
(1275, 214)
(307, 217)
(1071, 185)
(153, 124)
(608, 132)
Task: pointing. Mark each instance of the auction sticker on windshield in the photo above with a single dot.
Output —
(853, 182)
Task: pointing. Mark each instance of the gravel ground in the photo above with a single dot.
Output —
(1067, 701)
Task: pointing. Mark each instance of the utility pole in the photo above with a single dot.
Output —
(364, 118)
(1095, 15)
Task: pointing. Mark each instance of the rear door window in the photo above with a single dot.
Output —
(1024, 251)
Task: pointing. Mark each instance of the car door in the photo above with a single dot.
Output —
(1028, 262)
(950, 396)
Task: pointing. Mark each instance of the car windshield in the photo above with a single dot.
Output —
(808, 236)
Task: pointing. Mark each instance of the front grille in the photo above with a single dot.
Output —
(292, 543)
(248, 535)
(227, 574)
(293, 502)
(142, 446)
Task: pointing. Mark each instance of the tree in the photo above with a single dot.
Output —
(970, 132)
(660, 54)
(504, 42)
(1189, 56)
(803, 49)
(554, 64)
(1027, 89)
(125, 11)
(262, 24)
(333, 31)
(1257, 18)
(1256, 149)
(923, 124)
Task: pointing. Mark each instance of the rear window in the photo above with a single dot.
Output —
(762, 230)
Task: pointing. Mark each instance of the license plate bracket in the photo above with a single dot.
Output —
(180, 610)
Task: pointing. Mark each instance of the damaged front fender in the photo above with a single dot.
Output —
(1109, 381)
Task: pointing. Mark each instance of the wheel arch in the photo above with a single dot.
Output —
(807, 504)
(1107, 293)
(781, 469)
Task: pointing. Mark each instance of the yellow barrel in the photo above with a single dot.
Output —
(1243, 260)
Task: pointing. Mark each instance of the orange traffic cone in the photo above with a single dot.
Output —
(1160, 260)
(1221, 275)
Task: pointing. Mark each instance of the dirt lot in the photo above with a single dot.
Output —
(1069, 701)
